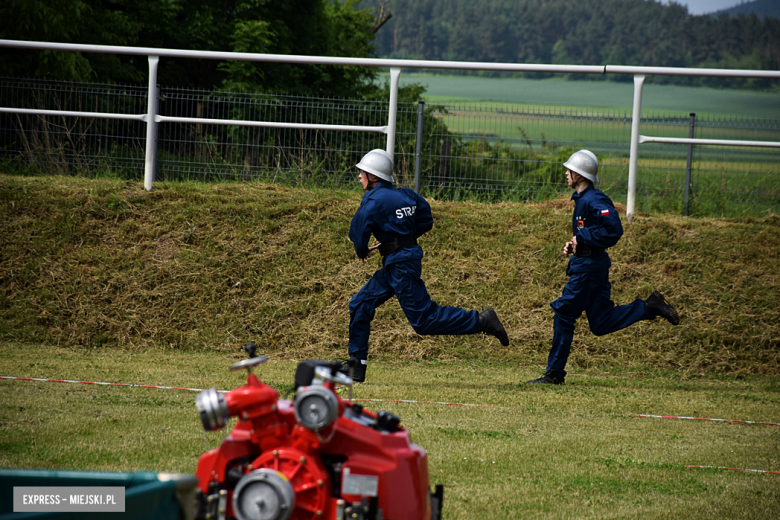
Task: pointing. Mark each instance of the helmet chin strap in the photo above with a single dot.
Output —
(580, 180)
(371, 183)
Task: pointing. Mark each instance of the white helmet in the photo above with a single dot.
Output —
(378, 162)
(584, 163)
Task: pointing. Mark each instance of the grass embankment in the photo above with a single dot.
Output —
(102, 281)
(104, 264)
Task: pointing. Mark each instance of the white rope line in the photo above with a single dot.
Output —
(704, 419)
(735, 469)
(408, 401)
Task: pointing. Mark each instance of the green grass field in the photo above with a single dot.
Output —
(516, 122)
(560, 93)
(103, 281)
(534, 115)
(575, 451)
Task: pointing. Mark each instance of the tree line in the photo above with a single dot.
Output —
(627, 32)
(300, 27)
(586, 32)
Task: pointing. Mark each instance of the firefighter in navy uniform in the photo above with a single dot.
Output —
(595, 228)
(397, 217)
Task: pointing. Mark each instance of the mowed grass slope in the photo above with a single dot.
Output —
(102, 281)
(104, 264)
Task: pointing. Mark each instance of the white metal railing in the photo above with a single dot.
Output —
(152, 119)
(306, 60)
(69, 113)
(711, 142)
(636, 116)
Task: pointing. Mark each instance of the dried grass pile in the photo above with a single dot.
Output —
(104, 264)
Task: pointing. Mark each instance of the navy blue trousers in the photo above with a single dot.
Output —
(402, 280)
(589, 292)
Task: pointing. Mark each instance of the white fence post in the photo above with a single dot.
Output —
(395, 73)
(153, 120)
(150, 164)
(636, 116)
(418, 145)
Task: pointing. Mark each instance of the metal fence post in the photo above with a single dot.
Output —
(395, 72)
(688, 165)
(636, 115)
(150, 163)
(156, 131)
(418, 145)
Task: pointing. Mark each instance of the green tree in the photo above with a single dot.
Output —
(587, 32)
(292, 27)
(66, 21)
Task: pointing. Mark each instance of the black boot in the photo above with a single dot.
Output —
(657, 305)
(548, 379)
(359, 372)
(490, 324)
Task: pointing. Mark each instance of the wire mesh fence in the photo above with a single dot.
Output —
(66, 145)
(518, 153)
(207, 151)
(468, 151)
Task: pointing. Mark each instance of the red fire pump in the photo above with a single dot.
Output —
(317, 457)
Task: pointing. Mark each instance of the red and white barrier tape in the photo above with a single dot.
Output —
(431, 402)
(103, 384)
(705, 419)
(40, 380)
(424, 402)
(736, 469)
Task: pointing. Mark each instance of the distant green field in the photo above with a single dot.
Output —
(509, 121)
(596, 94)
(514, 123)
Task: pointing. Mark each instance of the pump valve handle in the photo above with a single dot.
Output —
(250, 349)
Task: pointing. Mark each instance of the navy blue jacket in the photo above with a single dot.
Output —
(388, 213)
(596, 224)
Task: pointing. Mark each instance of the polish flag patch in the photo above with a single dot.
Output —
(604, 212)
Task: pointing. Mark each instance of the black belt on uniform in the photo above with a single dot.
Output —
(386, 248)
(588, 251)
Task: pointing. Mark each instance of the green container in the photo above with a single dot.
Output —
(148, 495)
